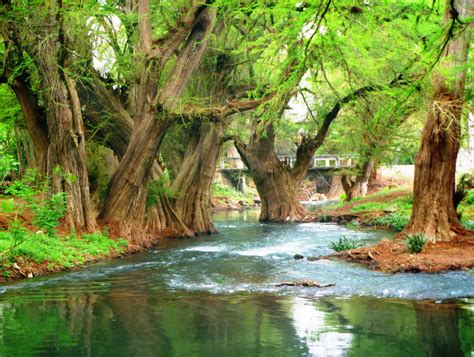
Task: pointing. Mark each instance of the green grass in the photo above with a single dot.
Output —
(221, 190)
(415, 243)
(398, 210)
(343, 243)
(401, 205)
(395, 220)
(59, 252)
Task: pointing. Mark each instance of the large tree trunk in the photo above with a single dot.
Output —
(193, 183)
(126, 197)
(35, 120)
(434, 214)
(66, 156)
(272, 179)
(116, 133)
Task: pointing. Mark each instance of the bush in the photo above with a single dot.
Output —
(49, 211)
(395, 220)
(468, 224)
(343, 243)
(470, 197)
(415, 242)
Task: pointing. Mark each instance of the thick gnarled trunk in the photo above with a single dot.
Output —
(35, 120)
(116, 133)
(272, 178)
(66, 155)
(434, 213)
(125, 202)
(193, 183)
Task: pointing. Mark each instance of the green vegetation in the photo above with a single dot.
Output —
(415, 242)
(57, 252)
(343, 243)
(394, 220)
(220, 190)
(395, 212)
(40, 243)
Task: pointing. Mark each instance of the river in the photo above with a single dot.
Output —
(217, 296)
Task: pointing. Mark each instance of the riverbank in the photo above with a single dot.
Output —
(390, 209)
(35, 241)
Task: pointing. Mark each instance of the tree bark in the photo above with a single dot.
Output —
(116, 131)
(66, 156)
(434, 214)
(193, 183)
(358, 185)
(35, 120)
(272, 179)
(335, 189)
(126, 197)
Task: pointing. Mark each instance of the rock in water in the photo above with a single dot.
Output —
(305, 283)
(298, 257)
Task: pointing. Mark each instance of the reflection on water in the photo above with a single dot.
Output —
(211, 297)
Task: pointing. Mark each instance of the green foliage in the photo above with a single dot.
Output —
(7, 206)
(415, 242)
(28, 186)
(60, 252)
(470, 197)
(468, 224)
(162, 186)
(8, 164)
(395, 220)
(343, 243)
(17, 235)
(221, 190)
(48, 212)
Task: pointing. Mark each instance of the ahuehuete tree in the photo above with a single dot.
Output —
(40, 32)
(371, 128)
(323, 54)
(135, 131)
(434, 213)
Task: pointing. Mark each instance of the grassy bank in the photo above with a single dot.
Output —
(390, 208)
(33, 237)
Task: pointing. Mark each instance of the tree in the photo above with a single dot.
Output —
(434, 214)
(47, 41)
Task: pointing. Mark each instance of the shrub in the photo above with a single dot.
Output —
(470, 197)
(468, 224)
(343, 243)
(395, 220)
(415, 242)
(49, 211)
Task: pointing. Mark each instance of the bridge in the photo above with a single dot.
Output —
(321, 169)
(318, 163)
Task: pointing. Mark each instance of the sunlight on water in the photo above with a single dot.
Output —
(217, 295)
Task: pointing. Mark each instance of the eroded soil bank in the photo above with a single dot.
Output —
(392, 255)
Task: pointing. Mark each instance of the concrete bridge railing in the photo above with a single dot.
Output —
(317, 162)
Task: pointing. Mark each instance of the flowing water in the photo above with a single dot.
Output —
(217, 296)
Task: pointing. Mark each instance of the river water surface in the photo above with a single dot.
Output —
(217, 296)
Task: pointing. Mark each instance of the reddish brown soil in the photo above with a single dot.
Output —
(393, 257)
